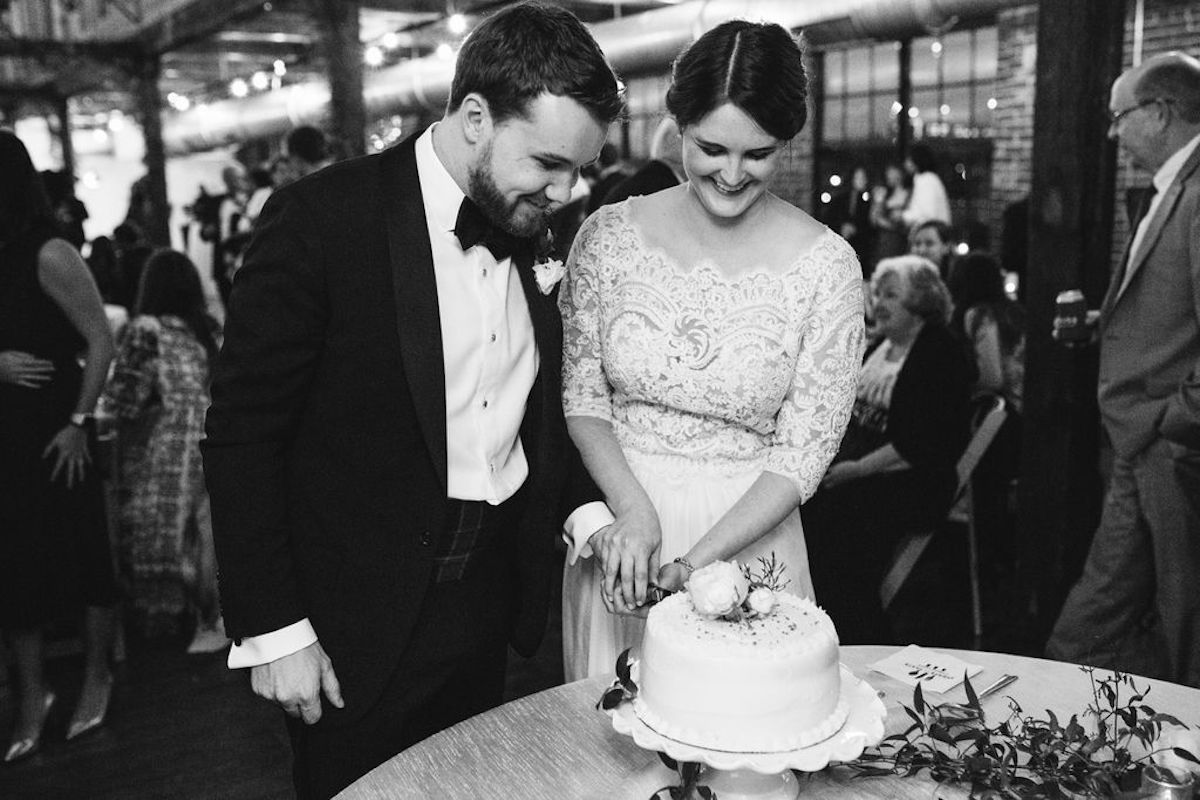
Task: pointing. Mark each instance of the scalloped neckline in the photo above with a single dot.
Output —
(707, 264)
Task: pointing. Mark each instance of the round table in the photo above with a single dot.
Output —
(554, 745)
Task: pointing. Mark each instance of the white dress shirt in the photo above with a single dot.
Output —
(491, 361)
(1162, 179)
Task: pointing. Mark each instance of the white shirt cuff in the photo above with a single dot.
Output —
(265, 648)
(579, 527)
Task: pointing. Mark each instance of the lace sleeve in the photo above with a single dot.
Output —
(816, 410)
(586, 392)
(130, 389)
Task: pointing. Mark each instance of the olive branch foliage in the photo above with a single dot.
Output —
(1025, 756)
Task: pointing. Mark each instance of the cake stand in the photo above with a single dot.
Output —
(767, 776)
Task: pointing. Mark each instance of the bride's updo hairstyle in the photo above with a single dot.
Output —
(757, 66)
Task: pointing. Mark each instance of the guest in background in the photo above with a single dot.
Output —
(850, 215)
(158, 395)
(712, 332)
(307, 151)
(54, 551)
(992, 325)
(1145, 556)
(887, 206)
(613, 170)
(895, 470)
(928, 200)
(934, 241)
(663, 170)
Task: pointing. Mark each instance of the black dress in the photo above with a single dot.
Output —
(54, 549)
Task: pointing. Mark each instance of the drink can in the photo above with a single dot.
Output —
(1071, 311)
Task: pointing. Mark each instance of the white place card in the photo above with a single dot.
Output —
(936, 672)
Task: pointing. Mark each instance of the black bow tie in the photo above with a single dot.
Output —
(472, 228)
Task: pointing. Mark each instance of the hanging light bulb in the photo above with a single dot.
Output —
(373, 56)
(260, 80)
(280, 68)
(239, 88)
(457, 24)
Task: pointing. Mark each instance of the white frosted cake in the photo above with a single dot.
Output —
(767, 684)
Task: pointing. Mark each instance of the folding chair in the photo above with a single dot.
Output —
(989, 418)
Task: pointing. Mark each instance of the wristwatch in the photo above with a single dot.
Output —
(82, 420)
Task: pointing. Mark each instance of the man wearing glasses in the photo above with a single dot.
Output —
(1136, 607)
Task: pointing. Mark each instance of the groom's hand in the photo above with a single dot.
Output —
(628, 550)
(295, 682)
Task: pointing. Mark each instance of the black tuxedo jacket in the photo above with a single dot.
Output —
(325, 454)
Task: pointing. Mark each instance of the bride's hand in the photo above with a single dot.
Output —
(672, 577)
(628, 552)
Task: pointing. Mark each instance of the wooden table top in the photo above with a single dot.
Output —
(555, 745)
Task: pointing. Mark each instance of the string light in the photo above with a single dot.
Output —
(835, 180)
(280, 68)
(238, 88)
(390, 40)
(457, 24)
(445, 51)
(260, 80)
(373, 56)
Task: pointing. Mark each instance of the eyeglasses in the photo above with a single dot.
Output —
(1113, 119)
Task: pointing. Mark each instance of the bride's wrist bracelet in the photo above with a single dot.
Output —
(683, 562)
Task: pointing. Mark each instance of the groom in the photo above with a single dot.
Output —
(386, 451)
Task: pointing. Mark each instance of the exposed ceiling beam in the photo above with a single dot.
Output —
(42, 49)
(194, 22)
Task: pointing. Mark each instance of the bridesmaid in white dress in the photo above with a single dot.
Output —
(712, 340)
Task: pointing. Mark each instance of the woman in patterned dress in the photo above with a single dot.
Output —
(712, 336)
(158, 394)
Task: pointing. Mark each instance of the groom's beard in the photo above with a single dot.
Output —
(524, 218)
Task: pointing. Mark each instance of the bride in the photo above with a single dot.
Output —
(712, 338)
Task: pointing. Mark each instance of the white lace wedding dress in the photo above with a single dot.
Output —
(708, 382)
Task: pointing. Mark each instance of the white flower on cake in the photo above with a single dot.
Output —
(718, 589)
(761, 601)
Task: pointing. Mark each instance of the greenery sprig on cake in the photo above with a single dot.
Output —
(1120, 735)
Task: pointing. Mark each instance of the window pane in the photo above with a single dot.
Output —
(858, 69)
(834, 129)
(858, 118)
(986, 54)
(956, 57)
(886, 65)
(835, 77)
(924, 62)
(956, 105)
(924, 111)
(884, 123)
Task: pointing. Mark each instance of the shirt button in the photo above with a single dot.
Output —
(485, 403)
(485, 272)
(426, 539)
(491, 467)
(493, 337)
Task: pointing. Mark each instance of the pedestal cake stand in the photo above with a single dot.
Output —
(768, 776)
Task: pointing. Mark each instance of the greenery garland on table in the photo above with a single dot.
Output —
(1027, 757)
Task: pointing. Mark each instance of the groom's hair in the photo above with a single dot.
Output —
(519, 53)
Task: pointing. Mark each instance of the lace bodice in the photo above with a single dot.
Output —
(721, 374)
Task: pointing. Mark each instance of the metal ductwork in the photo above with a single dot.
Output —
(642, 43)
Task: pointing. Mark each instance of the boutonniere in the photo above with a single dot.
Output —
(547, 270)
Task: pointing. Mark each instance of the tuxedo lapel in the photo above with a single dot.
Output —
(414, 285)
(539, 304)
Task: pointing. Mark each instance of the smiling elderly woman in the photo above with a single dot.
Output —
(895, 470)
